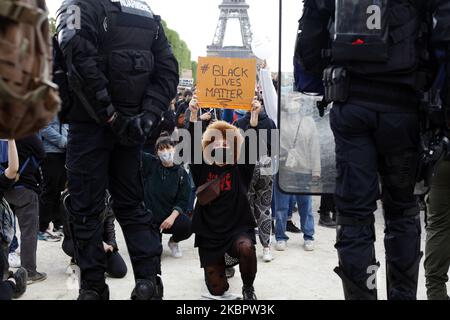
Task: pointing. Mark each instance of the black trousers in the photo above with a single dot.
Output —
(115, 265)
(370, 145)
(95, 162)
(54, 181)
(181, 229)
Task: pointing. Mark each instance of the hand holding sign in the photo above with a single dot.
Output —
(226, 82)
(193, 108)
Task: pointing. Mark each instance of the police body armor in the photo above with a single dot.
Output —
(377, 43)
(126, 36)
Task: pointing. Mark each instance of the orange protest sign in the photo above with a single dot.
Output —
(226, 82)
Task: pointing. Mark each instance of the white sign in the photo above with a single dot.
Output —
(186, 82)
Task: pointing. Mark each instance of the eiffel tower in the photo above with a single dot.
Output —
(232, 9)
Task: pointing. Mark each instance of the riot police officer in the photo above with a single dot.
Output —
(121, 76)
(376, 64)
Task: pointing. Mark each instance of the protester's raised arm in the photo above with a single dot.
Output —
(13, 161)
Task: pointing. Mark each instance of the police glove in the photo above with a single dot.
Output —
(119, 126)
(141, 127)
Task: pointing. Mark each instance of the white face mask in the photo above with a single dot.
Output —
(166, 156)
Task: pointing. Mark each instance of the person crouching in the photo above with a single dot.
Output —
(167, 192)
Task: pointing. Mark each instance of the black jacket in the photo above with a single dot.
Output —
(122, 56)
(264, 123)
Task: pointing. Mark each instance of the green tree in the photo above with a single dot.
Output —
(194, 70)
(180, 48)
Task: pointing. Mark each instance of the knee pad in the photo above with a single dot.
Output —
(151, 289)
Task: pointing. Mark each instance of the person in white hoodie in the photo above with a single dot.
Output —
(300, 159)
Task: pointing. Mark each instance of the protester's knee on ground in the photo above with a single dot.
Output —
(216, 282)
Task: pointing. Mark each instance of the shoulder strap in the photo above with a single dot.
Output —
(298, 131)
(24, 166)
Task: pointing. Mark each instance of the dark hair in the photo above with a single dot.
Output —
(188, 93)
(164, 141)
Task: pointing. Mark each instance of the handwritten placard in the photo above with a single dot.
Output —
(226, 82)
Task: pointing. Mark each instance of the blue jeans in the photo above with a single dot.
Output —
(283, 202)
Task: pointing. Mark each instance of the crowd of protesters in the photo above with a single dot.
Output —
(38, 197)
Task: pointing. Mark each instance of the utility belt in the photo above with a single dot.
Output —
(341, 87)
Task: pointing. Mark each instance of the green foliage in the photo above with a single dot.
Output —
(180, 48)
(194, 70)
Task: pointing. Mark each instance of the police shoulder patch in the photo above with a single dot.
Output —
(136, 7)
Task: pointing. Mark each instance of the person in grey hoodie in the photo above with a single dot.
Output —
(54, 138)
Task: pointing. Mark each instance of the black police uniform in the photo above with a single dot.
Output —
(376, 128)
(119, 53)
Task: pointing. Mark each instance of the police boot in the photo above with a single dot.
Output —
(148, 289)
(86, 294)
(402, 285)
(352, 291)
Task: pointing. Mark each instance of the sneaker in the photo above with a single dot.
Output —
(175, 249)
(229, 272)
(36, 277)
(281, 245)
(267, 255)
(47, 236)
(14, 260)
(248, 293)
(20, 280)
(309, 245)
(326, 221)
(290, 227)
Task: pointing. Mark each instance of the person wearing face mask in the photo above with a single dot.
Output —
(166, 192)
(223, 222)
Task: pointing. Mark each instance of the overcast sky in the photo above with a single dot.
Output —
(196, 21)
